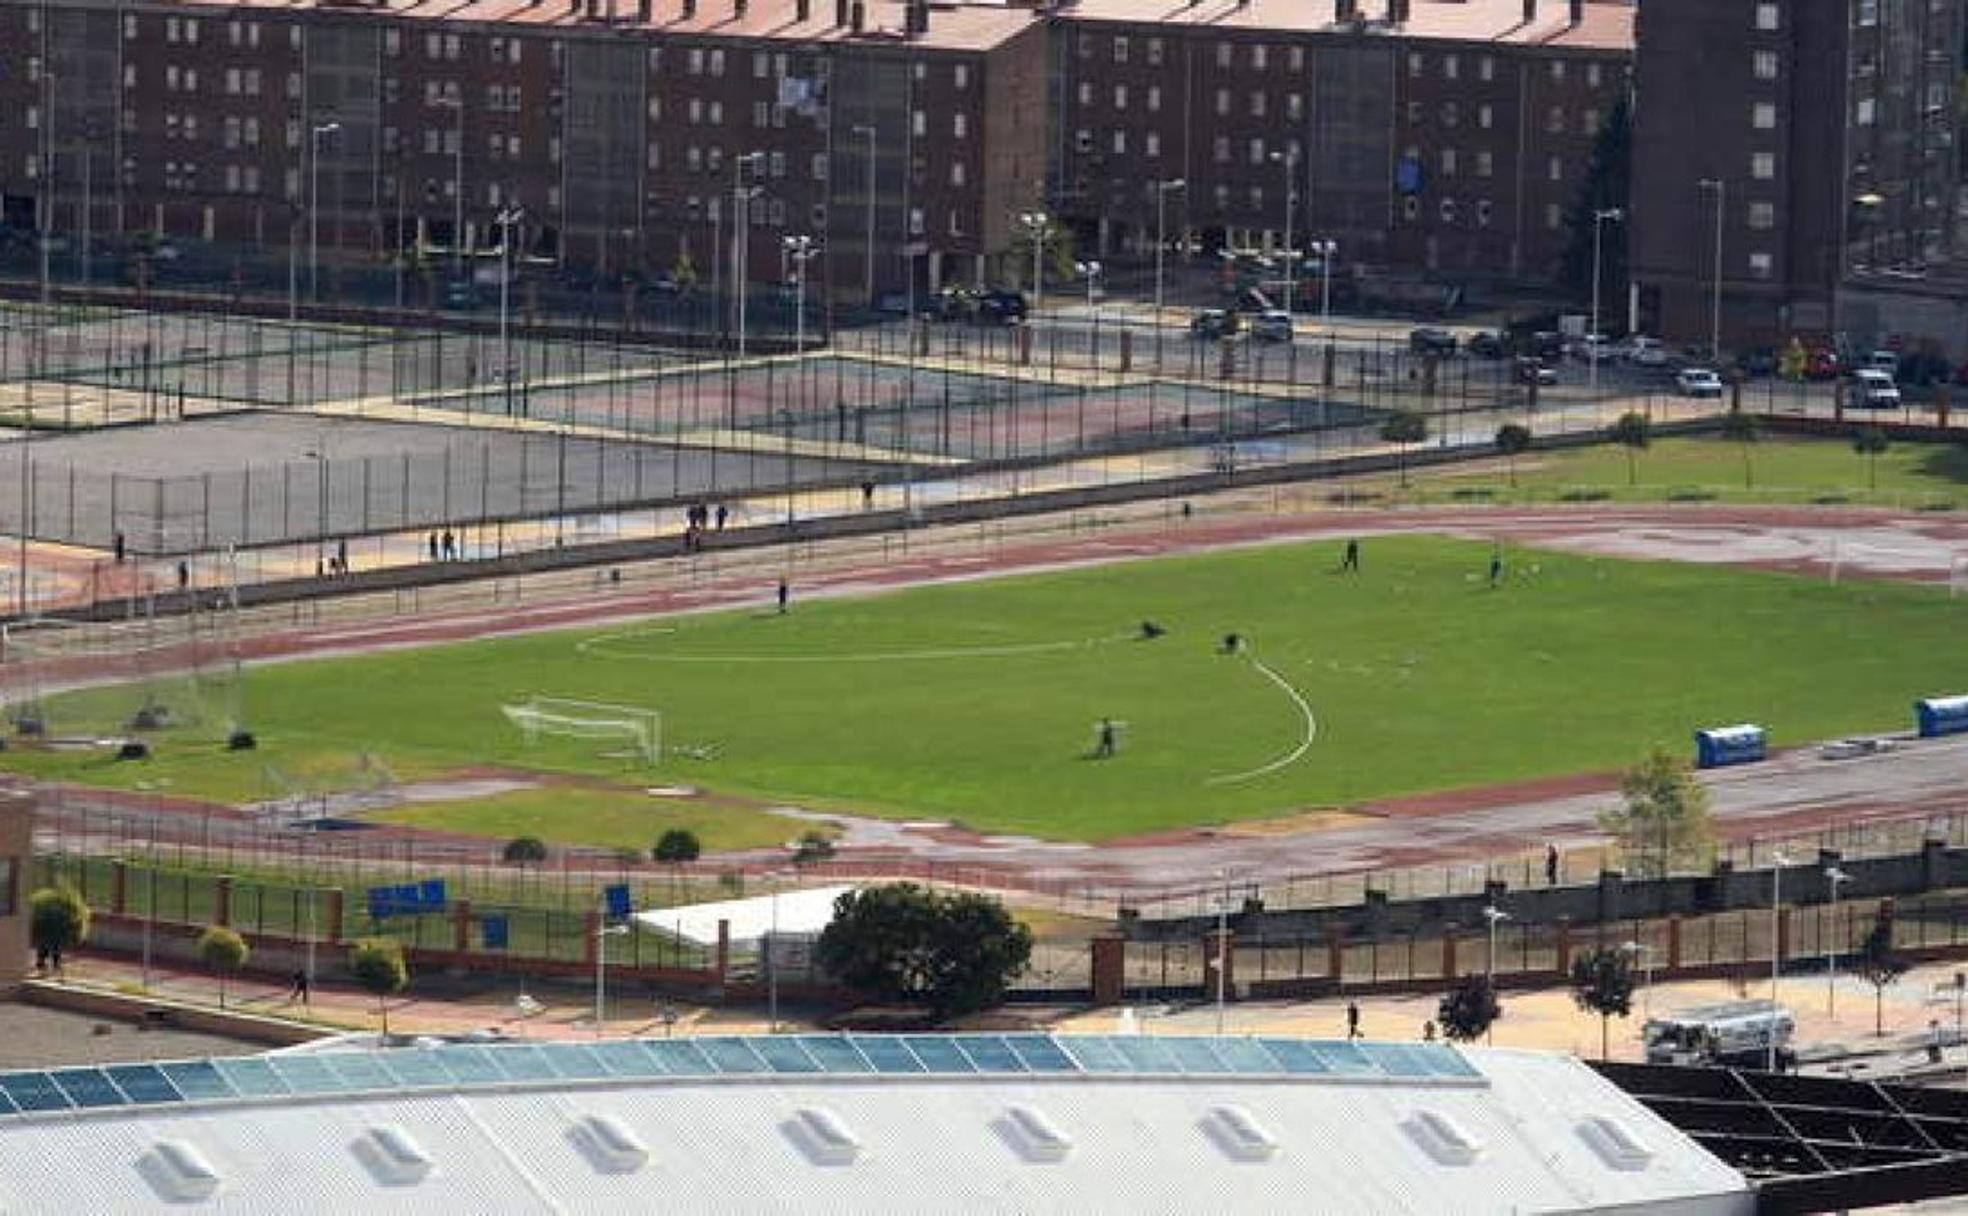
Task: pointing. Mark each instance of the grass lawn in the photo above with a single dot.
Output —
(1781, 468)
(613, 818)
(976, 701)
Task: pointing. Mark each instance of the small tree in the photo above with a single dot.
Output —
(58, 921)
(1513, 438)
(812, 847)
(525, 850)
(225, 952)
(677, 847)
(1663, 817)
(1744, 429)
(1469, 1009)
(378, 965)
(1602, 983)
(1633, 432)
(903, 942)
(1404, 428)
(1870, 442)
(1882, 966)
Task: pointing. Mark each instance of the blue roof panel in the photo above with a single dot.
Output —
(143, 1083)
(835, 1053)
(198, 1081)
(88, 1087)
(34, 1091)
(888, 1053)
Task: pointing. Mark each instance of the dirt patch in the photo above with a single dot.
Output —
(1319, 820)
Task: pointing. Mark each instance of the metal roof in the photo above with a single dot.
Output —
(861, 1123)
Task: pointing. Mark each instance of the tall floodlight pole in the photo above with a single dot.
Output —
(1715, 308)
(1837, 878)
(601, 971)
(1494, 915)
(1287, 162)
(867, 131)
(741, 223)
(1777, 863)
(1090, 271)
(1162, 190)
(506, 219)
(315, 135)
(1599, 221)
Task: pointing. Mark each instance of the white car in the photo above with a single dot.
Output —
(1873, 389)
(1698, 382)
(1585, 347)
(1272, 325)
(1643, 351)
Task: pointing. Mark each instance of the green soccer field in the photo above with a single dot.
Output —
(977, 701)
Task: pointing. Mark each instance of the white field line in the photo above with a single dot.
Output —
(1290, 757)
(600, 647)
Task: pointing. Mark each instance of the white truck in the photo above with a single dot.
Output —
(1735, 1032)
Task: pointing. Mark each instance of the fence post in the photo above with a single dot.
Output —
(461, 919)
(331, 919)
(1109, 979)
(222, 900)
(1448, 952)
(1561, 946)
(118, 884)
(1673, 943)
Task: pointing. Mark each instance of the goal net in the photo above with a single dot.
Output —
(69, 678)
(638, 731)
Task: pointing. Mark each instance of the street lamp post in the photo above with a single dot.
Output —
(1494, 915)
(741, 223)
(601, 970)
(1715, 308)
(1287, 161)
(151, 788)
(1777, 863)
(1599, 219)
(314, 206)
(1645, 954)
(1222, 946)
(772, 962)
(867, 131)
(1090, 271)
(1037, 225)
(506, 219)
(1162, 189)
(1327, 251)
(1837, 878)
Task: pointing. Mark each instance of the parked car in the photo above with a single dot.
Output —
(1272, 325)
(1585, 346)
(1002, 306)
(1873, 389)
(1485, 345)
(1546, 344)
(1429, 341)
(1698, 382)
(1822, 363)
(1887, 361)
(1215, 323)
(1642, 351)
(1535, 371)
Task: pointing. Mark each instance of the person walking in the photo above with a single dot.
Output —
(1551, 865)
(1103, 746)
(785, 594)
(1496, 568)
(300, 990)
(1352, 1019)
(1351, 562)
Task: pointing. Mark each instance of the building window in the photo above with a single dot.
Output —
(1151, 144)
(1083, 140)
(1593, 75)
(1763, 216)
(960, 75)
(818, 170)
(1760, 264)
(1221, 149)
(1410, 208)
(1260, 57)
(1554, 216)
(1486, 68)
(956, 173)
(1294, 106)
(1866, 112)
(1485, 164)
(1415, 63)
(1451, 114)
(1154, 52)
(1763, 165)
(1120, 97)
(1554, 120)
(1485, 116)
(1554, 168)
(1557, 71)
(1451, 67)
(1086, 92)
(1224, 53)
(1766, 15)
(1484, 208)
(1257, 105)
(1120, 48)
(1119, 143)
(1447, 211)
(1448, 162)
(1763, 115)
(1257, 198)
(1154, 98)
(1296, 59)
(1763, 65)
(960, 125)
(1414, 113)
(1257, 151)
(1223, 103)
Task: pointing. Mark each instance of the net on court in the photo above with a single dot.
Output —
(77, 680)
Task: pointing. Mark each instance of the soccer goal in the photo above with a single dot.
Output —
(639, 730)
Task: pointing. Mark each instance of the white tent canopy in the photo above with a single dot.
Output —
(803, 911)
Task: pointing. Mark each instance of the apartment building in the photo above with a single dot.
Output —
(609, 136)
(1445, 137)
(1797, 156)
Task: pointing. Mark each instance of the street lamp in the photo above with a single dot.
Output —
(1222, 946)
(797, 251)
(1715, 312)
(1327, 251)
(47, 224)
(867, 130)
(1494, 915)
(772, 960)
(152, 788)
(313, 207)
(1837, 878)
(507, 217)
(1090, 271)
(1645, 954)
(741, 224)
(1037, 225)
(1599, 219)
(455, 102)
(601, 969)
(1287, 161)
(1777, 863)
(1162, 190)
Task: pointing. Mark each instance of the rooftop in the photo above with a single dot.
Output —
(962, 27)
(1607, 24)
(958, 1123)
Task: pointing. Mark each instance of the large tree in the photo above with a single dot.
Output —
(1662, 819)
(1404, 428)
(225, 952)
(1871, 443)
(1633, 432)
(1744, 429)
(1602, 983)
(903, 942)
(1606, 186)
(1512, 438)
